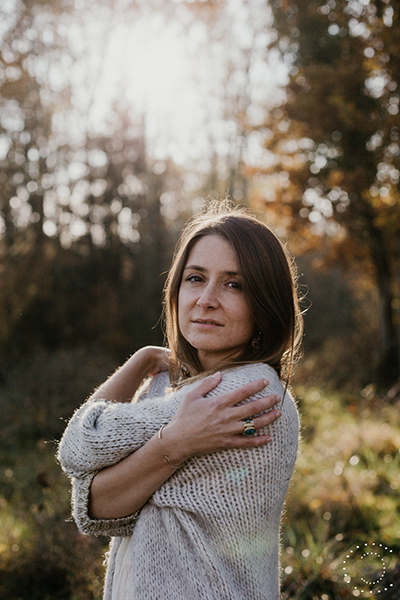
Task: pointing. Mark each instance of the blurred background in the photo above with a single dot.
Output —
(117, 119)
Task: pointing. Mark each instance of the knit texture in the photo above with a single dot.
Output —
(212, 529)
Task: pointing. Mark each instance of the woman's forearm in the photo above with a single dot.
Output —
(120, 490)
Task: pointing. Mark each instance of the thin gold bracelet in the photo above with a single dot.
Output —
(166, 457)
(160, 432)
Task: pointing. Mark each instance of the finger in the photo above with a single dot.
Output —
(251, 442)
(205, 386)
(256, 407)
(266, 419)
(259, 422)
(244, 392)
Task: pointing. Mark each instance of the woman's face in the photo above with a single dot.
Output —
(213, 312)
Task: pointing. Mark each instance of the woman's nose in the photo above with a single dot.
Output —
(208, 298)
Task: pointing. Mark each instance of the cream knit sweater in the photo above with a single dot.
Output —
(211, 531)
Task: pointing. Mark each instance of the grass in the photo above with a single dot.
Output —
(42, 555)
(341, 530)
(344, 500)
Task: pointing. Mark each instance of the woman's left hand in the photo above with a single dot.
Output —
(157, 358)
(121, 386)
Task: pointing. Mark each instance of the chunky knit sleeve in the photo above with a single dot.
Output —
(101, 433)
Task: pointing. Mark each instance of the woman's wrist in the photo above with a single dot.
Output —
(167, 459)
(174, 453)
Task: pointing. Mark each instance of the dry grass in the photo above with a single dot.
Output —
(345, 492)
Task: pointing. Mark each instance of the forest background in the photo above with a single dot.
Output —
(117, 119)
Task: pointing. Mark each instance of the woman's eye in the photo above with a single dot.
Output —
(235, 285)
(194, 278)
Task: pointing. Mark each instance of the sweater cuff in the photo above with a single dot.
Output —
(80, 510)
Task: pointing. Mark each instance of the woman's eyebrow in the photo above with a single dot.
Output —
(203, 270)
(195, 268)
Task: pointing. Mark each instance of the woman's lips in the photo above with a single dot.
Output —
(207, 323)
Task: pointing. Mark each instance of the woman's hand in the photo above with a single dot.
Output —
(121, 386)
(200, 426)
(155, 358)
(203, 425)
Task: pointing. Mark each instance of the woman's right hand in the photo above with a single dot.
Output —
(203, 425)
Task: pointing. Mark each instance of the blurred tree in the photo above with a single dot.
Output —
(105, 246)
(26, 157)
(28, 101)
(82, 234)
(336, 141)
(237, 95)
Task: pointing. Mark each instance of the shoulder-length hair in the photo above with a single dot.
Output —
(269, 276)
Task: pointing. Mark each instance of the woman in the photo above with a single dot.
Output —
(191, 480)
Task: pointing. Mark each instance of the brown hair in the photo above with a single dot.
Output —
(269, 277)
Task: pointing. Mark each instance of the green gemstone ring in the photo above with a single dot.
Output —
(248, 427)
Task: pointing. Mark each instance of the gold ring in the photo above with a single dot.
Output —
(248, 427)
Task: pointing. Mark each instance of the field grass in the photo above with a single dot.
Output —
(341, 533)
(341, 530)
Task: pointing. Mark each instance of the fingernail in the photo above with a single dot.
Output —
(278, 413)
(217, 374)
(277, 398)
(265, 382)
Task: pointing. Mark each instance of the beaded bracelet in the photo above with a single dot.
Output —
(166, 457)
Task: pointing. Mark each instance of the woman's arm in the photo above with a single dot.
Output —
(245, 485)
(121, 386)
(104, 431)
(108, 427)
(200, 426)
(80, 503)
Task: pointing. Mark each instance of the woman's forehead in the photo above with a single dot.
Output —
(213, 251)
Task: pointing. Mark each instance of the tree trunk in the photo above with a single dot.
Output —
(388, 367)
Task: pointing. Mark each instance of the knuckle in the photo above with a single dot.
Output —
(248, 442)
(215, 404)
(251, 388)
(246, 390)
(230, 444)
(188, 397)
(257, 407)
(270, 401)
(202, 387)
(258, 441)
(268, 418)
